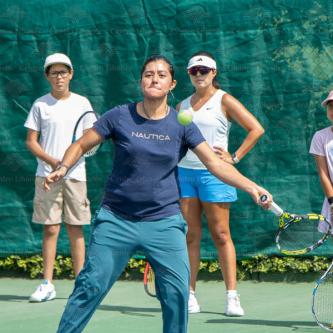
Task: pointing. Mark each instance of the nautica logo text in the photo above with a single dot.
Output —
(151, 136)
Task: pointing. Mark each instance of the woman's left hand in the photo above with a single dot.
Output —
(223, 155)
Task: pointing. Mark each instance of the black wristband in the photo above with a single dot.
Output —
(330, 200)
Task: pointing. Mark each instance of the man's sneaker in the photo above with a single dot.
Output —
(193, 305)
(233, 307)
(44, 292)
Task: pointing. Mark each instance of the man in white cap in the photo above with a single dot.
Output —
(50, 126)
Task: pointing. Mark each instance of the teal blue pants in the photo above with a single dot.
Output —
(113, 242)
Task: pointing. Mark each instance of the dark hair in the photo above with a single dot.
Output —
(207, 54)
(47, 69)
(156, 58)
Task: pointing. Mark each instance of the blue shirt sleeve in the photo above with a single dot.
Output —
(193, 136)
(105, 125)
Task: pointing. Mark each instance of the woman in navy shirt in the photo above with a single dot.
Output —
(140, 209)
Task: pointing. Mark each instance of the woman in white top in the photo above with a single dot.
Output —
(322, 150)
(213, 111)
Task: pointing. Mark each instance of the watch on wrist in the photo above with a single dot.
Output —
(234, 158)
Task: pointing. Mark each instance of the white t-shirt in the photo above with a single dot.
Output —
(322, 145)
(55, 120)
(213, 125)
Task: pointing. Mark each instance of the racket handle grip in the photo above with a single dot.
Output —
(273, 207)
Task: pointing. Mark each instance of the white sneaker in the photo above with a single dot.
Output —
(44, 292)
(193, 305)
(233, 307)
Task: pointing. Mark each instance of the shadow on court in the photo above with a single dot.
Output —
(278, 323)
(130, 310)
(15, 298)
(270, 307)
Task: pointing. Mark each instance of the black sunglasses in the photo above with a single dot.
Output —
(201, 69)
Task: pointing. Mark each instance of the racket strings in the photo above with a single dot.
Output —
(300, 232)
(151, 281)
(322, 302)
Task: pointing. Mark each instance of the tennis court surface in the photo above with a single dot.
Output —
(270, 307)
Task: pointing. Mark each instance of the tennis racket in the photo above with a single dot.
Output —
(92, 117)
(298, 234)
(322, 300)
(149, 281)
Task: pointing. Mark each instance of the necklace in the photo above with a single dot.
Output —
(167, 110)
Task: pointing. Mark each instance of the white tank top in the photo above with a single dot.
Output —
(213, 125)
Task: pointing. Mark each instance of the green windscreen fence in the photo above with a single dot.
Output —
(274, 56)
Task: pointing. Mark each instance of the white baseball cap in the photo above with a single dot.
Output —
(57, 58)
(201, 60)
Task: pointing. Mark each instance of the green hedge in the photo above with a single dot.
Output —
(246, 269)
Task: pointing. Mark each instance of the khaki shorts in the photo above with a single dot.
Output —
(66, 197)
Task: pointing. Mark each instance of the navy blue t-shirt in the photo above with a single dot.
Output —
(143, 184)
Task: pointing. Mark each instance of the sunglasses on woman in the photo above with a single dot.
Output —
(201, 69)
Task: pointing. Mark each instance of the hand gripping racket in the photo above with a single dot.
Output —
(298, 234)
(77, 133)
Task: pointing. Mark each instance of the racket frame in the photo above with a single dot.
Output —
(146, 278)
(93, 150)
(318, 283)
(283, 225)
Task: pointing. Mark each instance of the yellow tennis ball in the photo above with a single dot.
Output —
(184, 117)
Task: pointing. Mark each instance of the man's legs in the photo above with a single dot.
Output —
(76, 240)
